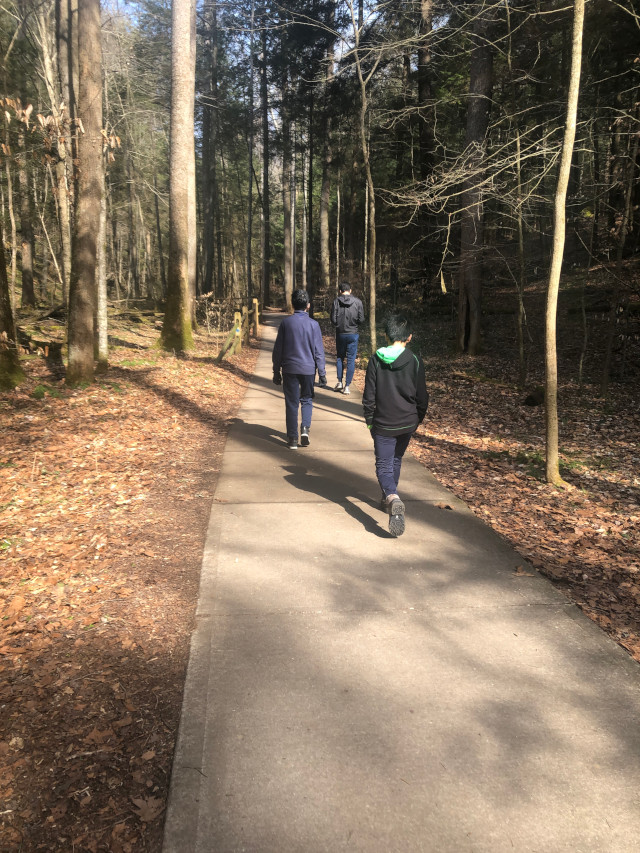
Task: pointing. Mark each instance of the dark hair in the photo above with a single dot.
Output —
(397, 327)
(299, 299)
(344, 286)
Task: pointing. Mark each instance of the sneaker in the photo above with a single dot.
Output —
(304, 436)
(338, 387)
(292, 443)
(396, 516)
(346, 390)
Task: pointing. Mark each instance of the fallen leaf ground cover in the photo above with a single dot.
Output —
(105, 495)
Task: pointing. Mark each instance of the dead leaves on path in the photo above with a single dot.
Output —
(104, 498)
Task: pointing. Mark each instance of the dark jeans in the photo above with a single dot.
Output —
(346, 350)
(389, 450)
(298, 393)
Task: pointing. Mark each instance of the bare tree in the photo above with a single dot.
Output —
(176, 330)
(82, 291)
(551, 361)
(10, 370)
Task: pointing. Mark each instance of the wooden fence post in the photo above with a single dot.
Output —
(245, 325)
(256, 318)
(237, 325)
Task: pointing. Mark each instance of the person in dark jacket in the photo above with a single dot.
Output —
(347, 314)
(297, 353)
(395, 401)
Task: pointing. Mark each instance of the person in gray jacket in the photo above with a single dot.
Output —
(347, 314)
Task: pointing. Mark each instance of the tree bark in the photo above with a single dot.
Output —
(266, 206)
(192, 210)
(26, 224)
(102, 329)
(176, 330)
(551, 362)
(286, 194)
(82, 294)
(325, 187)
(472, 216)
(10, 370)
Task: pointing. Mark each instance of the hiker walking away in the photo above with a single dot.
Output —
(297, 354)
(347, 314)
(395, 401)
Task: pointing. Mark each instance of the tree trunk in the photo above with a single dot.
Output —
(163, 275)
(286, 195)
(325, 187)
(10, 370)
(190, 139)
(26, 225)
(62, 130)
(249, 291)
(551, 363)
(425, 90)
(176, 330)
(82, 293)
(266, 206)
(472, 217)
(102, 329)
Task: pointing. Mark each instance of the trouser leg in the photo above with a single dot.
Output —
(306, 399)
(341, 354)
(402, 442)
(291, 388)
(351, 352)
(384, 448)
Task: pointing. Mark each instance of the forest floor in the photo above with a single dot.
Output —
(104, 501)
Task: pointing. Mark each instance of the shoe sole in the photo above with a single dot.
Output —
(304, 440)
(396, 518)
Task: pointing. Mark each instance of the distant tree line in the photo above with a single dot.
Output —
(411, 147)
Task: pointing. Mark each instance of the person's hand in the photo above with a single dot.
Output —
(277, 378)
(322, 380)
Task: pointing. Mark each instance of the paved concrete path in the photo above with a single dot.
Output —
(351, 691)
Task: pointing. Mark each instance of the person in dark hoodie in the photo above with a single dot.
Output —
(347, 314)
(297, 353)
(395, 401)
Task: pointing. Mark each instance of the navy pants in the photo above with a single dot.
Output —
(298, 394)
(346, 351)
(389, 450)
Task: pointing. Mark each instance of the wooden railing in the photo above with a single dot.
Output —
(245, 322)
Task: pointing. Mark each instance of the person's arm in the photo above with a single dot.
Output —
(276, 355)
(422, 395)
(360, 319)
(334, 313)
(318, 353)
(369, 395)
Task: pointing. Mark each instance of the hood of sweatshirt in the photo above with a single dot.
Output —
(345, 299)
(394, 357)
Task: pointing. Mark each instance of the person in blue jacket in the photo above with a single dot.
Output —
(297, 354)
(395, 401)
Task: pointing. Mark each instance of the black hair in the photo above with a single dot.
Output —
(344, 286)
(397, 327)
(299, 299)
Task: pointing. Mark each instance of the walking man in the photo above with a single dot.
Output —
(395, 401)
(347, 314)
(297, 353)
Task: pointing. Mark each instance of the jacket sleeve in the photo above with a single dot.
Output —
(318, 349)
(276, 356)
(334, 312)
(360, 318)
(422, 395)
(369, 395)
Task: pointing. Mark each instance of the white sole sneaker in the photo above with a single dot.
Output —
(396, 517)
